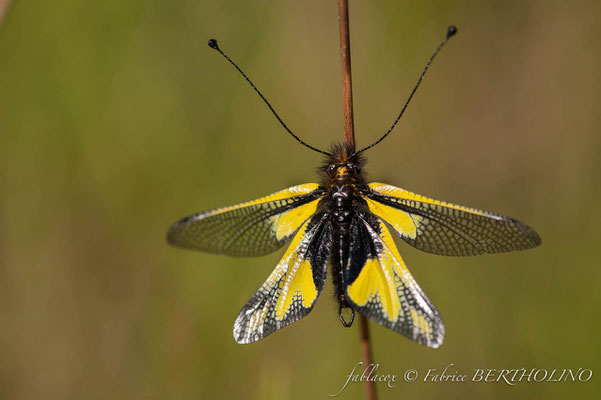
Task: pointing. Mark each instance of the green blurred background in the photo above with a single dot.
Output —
(116, 120)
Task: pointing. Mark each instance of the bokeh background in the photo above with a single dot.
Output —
(116, 120)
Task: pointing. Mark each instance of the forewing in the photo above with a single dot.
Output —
(447, 229)
(292, 288)
(379, 286)
(253, 228)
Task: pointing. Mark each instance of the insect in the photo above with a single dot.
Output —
(346, 225)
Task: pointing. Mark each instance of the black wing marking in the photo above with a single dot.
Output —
(293, 287)
(380, 287)
(253, 228)
(447, 229)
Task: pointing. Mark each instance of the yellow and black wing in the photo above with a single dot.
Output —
(292, 288)
(253, 228)
(447, 229)
(379, 286)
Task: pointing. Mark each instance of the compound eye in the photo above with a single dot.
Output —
(331, 167)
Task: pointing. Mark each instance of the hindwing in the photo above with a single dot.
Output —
(292, 288)
(380, 287)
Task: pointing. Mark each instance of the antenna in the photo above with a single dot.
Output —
(451, 30)
(213, 45)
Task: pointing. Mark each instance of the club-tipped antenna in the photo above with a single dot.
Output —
(451, 31)
(213, 44)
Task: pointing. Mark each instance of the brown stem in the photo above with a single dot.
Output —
(370, 387)
(345, 58)
(3, 9)
(349, 136)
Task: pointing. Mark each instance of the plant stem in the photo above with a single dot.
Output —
(3, 9)
(349, 136)
(345, 58)
(370, 386)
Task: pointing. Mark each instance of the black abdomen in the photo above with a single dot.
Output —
(341, 214)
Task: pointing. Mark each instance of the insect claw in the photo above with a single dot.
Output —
(344, 323)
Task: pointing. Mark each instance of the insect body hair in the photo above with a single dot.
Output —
(342, 167)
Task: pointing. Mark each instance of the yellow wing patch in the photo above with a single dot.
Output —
(294, 277)
(298, 286)
(376, 283)
(286, 223)
(404, 223)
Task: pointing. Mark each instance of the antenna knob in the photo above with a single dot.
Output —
(213, 44)
(451, 30)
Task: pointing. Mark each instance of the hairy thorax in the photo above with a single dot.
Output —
(344, 182)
